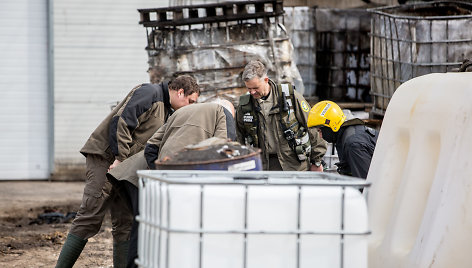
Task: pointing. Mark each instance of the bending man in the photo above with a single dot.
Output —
(120, 135)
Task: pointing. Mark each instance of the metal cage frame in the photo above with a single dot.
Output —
(152, 181)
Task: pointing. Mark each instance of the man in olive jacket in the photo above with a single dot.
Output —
(273, 117)
(120, 135)
(189, 125)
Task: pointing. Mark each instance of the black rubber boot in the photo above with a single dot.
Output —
(120, 254)
(70, 251)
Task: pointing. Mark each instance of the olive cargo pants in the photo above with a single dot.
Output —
(99, 196)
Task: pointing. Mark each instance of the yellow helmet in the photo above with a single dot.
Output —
(326, 113)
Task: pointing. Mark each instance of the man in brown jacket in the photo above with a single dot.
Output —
(189, 125)
(273, 117)
(120, 135)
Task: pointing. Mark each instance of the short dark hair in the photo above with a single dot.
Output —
(188, 83)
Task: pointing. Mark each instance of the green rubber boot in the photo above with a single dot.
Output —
(120, 254)
(70, 251)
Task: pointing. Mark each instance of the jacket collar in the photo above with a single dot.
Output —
(166, 99)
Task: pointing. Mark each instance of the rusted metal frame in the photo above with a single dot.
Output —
(266, 24)
(208, 20)
(447, 44)
(388, 78)
(219, 89)
(210, 70)
(306, 65)
(342, 68)
(423, 64)
(218, 69)
(229, 5)
(372, 60)
(354, 105)
(437, 4)
(378, 112)
(340, 51)
(398, 51)
(345, 57)
(345, 52)
(425, 42)
(148, 39)
(211, 13)
(188, 48)
(382, 59)
(382, 95)
(393, 84)
(342, 31)
(329, 38)
(332, 85)
(375, 63)
(431, 47)
(358, 58)
(413, 70)
(310, 83)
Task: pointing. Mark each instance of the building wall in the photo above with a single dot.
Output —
(99, 56)
(24, 105)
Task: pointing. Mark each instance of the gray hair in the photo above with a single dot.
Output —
(253, 69)
(225, 103)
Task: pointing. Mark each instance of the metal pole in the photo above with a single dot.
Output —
(50, 62)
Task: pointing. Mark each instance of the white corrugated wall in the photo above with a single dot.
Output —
(99, 57)
(24, 107)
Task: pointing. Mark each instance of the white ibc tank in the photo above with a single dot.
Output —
(421, 173)
(193, 219)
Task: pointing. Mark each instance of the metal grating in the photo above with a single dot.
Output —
(209, 13)
(413, 40)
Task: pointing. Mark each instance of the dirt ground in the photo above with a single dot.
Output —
(28, 241)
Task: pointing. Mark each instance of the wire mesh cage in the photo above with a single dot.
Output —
(413, 40)
(251, 219)
(342, 62)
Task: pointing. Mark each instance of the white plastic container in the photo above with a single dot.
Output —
(421, 174)
(275, 219)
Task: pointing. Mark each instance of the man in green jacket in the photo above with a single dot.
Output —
(273, 117)
(189, 125)
(123, 133)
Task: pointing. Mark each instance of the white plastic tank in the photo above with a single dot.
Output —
(421, 173)
(276, 219)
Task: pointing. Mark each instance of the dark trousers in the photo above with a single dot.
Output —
(132, 193)
(274, 164)
(99, 197)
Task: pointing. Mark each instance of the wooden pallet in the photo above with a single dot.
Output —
(210, 13)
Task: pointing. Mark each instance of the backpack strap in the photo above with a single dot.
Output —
(249, 120)
(296, 135)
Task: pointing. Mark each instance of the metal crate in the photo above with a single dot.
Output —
(251, 219)
(412, 40)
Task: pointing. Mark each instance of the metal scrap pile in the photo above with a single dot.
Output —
(214, 42)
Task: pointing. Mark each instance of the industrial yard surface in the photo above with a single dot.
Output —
(27, 240)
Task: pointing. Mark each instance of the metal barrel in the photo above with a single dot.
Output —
(247, 162)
